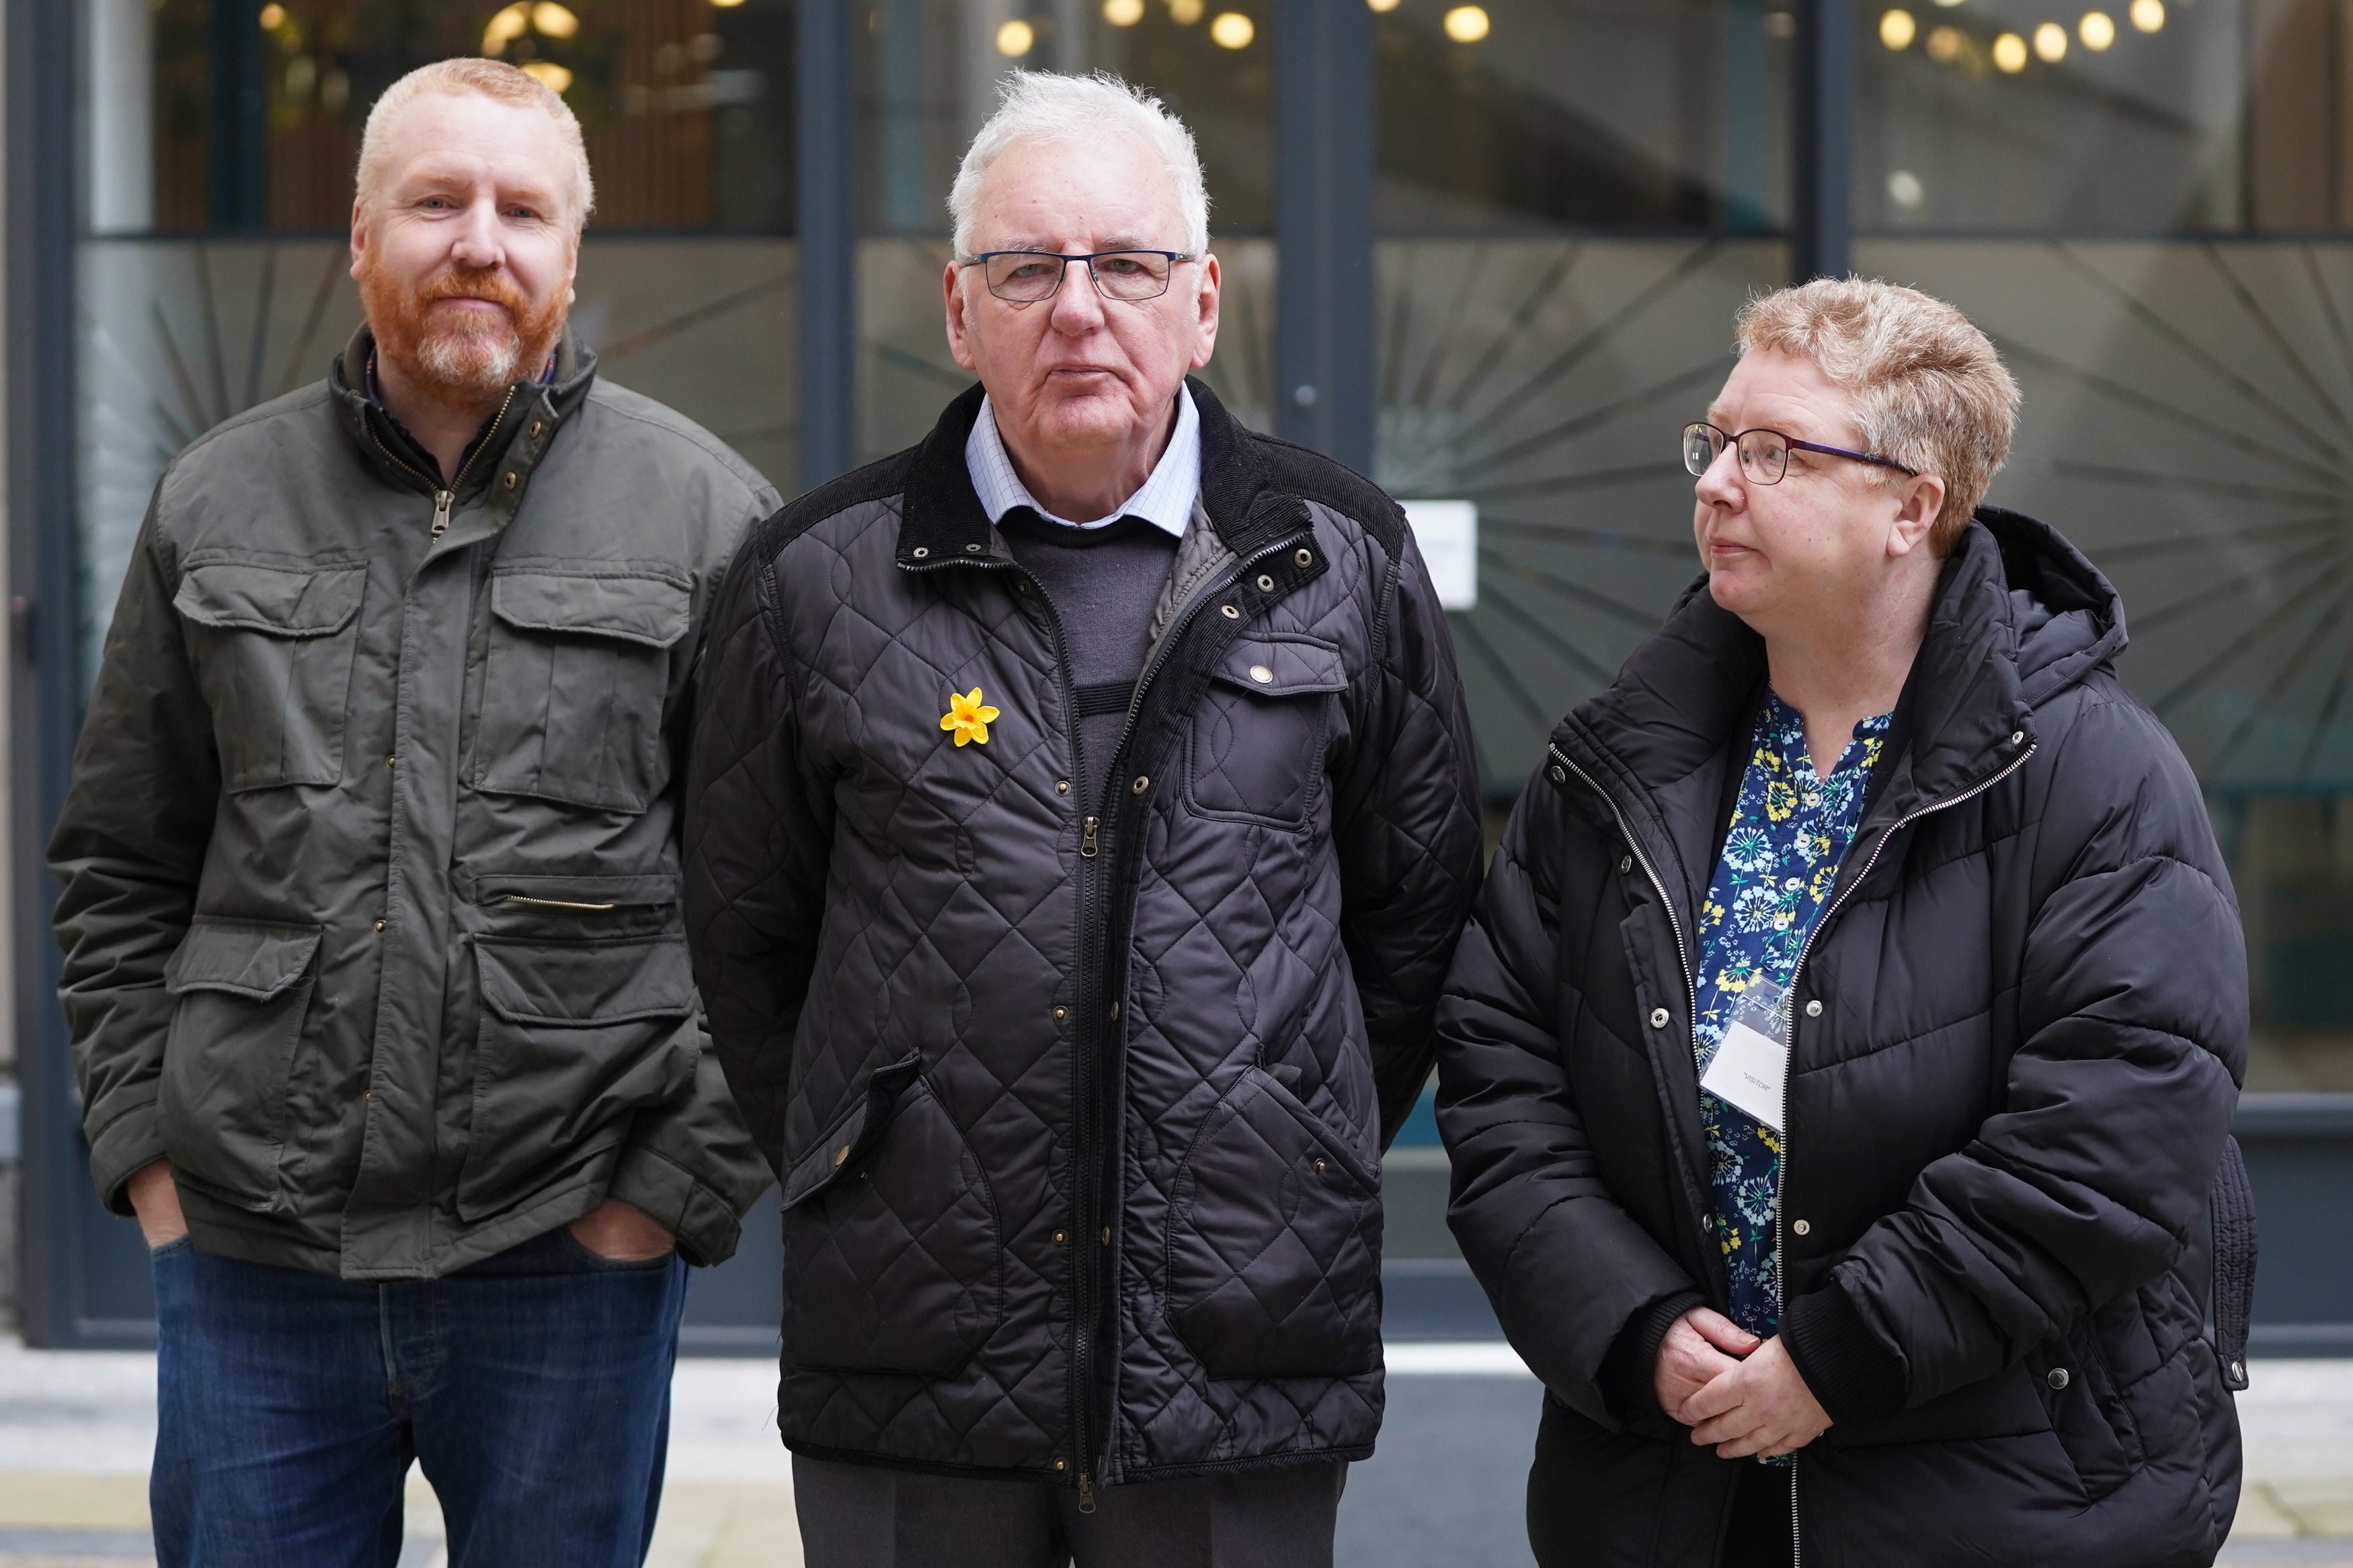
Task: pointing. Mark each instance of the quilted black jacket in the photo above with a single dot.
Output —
(2018, 1037)
(1078, 1104)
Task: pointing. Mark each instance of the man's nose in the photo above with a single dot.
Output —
(1078, 307)
(477, 242)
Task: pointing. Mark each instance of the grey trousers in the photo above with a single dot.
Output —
(861, 1516)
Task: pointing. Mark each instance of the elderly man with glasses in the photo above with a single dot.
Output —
(1082, 817)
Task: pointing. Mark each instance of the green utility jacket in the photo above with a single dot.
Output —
(371, 857)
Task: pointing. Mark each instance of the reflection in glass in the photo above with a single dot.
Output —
(225, 114)
(1519, 113)
(2028, 114)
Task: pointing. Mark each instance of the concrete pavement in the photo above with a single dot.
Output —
(1444, 1491)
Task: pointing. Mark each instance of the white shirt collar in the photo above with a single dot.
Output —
(1165, 501)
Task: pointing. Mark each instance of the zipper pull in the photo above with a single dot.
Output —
(1086, 1494)
(1087, 837)
(442, 500)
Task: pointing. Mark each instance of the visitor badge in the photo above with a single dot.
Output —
(1750, 1067)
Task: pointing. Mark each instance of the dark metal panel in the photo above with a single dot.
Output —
(81, 1282)
(2299, 1150)
(1324, 228)
(828, 239)
(1821, 144)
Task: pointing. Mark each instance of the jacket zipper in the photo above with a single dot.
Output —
(1642, 858)
(1789, 1054)
(1089, 1229)
(443, 499)
(526, 901)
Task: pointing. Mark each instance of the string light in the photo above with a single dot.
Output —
(2010, 53)
(1897, 29)
(273, 17)
(1232, 30)
(1467, 23)
(1185, 13)
(1015, 38)
(2051, 43)
(1123, 12)
(2097, 29)
(1945, 45)
(2148, 16)
(553, 20)
(554, 76)
(1384, 7)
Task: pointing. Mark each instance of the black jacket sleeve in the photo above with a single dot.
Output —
(759, 835)
(128, 849)
(1570, 1273)
(1407, 826)
(2092, 1177)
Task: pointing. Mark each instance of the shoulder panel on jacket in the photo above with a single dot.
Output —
(620, 400)
(1308, 473)
(877, 480)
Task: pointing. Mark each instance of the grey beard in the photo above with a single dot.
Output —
(469, 362)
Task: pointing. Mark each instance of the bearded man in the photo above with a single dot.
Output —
(373, 959)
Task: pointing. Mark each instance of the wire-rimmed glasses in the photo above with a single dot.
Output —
(1033, 277)
(1763, 453)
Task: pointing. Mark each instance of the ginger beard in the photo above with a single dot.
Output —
(462, 354)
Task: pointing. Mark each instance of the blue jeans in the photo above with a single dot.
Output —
(533, 1388)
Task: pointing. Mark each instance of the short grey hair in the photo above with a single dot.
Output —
(1042, 106)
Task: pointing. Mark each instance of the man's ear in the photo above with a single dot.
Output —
(959, 328)
(1918, 506)
(1212, 292)
(359, 237)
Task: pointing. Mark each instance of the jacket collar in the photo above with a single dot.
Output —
(506, 453)
(2019, 614)
(942, 520)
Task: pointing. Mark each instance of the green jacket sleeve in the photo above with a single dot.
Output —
(127, 849)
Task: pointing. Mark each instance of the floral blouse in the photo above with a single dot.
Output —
(1789, 833)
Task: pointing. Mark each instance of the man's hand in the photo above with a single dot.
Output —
(1703, 1345)
(1760, 1406)
(620, 1234)
(157, 1201)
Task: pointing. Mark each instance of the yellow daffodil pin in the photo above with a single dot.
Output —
(967, 717)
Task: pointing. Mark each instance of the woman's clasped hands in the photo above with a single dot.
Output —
(1740, 1393)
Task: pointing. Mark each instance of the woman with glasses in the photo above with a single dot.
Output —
(1839, 1069)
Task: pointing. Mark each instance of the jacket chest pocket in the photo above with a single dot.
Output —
(575, 687)
(243, 994)
(273, 647)
(1260, 730)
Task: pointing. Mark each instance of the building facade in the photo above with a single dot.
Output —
(1488, 252)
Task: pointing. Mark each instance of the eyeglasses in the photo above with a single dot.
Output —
(1763, 453)
(1032, 277)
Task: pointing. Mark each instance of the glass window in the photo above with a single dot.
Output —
(1574, 196)
(929, 71)
(1625, 113)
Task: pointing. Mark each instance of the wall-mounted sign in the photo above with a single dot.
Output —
(1448, 532)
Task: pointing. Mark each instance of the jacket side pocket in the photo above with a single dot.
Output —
(892, 1257)
(273, 647)
(243, 992)
(1274, 1243)
(575, 1038)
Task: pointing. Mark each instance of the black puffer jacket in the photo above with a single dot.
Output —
(2018, 1040)
(1078, 1104)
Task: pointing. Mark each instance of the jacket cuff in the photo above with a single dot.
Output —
(126, 1145)
(1629, 1378)
(706, 1227)
(1850, 1375)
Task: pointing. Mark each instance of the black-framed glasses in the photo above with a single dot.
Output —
(1763, 453)
(1032, 277)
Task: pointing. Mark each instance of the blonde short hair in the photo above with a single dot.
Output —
(494, 79)
(1927, 387)
(1041, 106)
